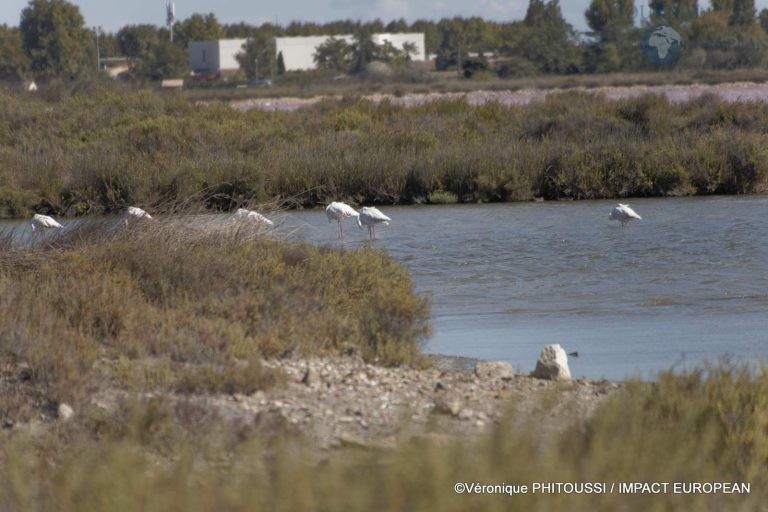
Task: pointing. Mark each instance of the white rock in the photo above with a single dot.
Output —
(66, 412)
(466, 414)
(552, 364)
(492, 370)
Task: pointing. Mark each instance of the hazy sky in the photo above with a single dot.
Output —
(113, 14)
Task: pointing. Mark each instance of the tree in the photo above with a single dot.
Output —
(163, 60)
(197, 28)
(136, 41)
(546, 39)
(409, 50)
(743, 13)
(459, 37)
(334, 54)
(763, 18)
(14, 64)
(154, 56)
(432, 36)
(280, 64)
(722, 5)
(674, 12)
(257, 58)
(607, 18)
(363, 50)
(55, 39)
(396, 26)
(616, 39)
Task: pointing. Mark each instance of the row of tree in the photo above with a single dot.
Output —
(52, 40)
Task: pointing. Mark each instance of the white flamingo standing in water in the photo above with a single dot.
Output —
(133, 214)
(243, 214)
(370, 217)
(44, 222)
(339, 211)
(623, 213)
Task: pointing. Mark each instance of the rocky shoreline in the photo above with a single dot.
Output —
(336, 401)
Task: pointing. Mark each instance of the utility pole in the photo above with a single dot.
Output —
(98, 50)
(170, 17)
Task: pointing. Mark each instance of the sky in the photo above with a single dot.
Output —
(113, 14)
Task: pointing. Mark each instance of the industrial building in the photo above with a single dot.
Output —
(298, 52)
(212, 57)
(215, 56)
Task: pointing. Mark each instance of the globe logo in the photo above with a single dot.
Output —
(662, 45)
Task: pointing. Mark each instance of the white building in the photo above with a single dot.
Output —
(298, 52)
(398, 40)
(215, 56)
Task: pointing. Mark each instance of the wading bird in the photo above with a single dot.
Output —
(623, 213)
(44, 221)
(243, 214)
(133, 214)
(370, 217)
(338, 212)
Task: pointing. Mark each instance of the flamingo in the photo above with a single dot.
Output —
(44, 221)
(133, 214)
(339, 211)
(623, 213)
(243, 214)
(370, 217)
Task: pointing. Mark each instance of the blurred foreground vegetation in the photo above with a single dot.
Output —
(98, 148)
(705, 426)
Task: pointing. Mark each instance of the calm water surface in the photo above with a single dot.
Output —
(687, 283)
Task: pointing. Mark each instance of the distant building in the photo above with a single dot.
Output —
(172, 83)
(215, 56)
(115, 66)
(298, 52)
(212, 57)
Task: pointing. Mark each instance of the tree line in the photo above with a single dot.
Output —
(53, 41)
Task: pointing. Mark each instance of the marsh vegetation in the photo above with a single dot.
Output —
(99, 149)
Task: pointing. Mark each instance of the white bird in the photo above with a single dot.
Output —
(339, 211)
(44, 221)
(243, 214)
(370, 217)
(623, 213)
(133, 214)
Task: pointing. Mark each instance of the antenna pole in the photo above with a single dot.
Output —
(170, 17)
(98, 50)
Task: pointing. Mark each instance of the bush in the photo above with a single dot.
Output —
(201, 305)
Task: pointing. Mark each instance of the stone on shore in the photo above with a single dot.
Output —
(552, 364)
(492, 370)
(65, 412)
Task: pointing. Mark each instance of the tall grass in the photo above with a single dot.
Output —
(177, 307)
(705, 426)
(106, 149)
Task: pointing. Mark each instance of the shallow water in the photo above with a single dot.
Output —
(687, 283)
